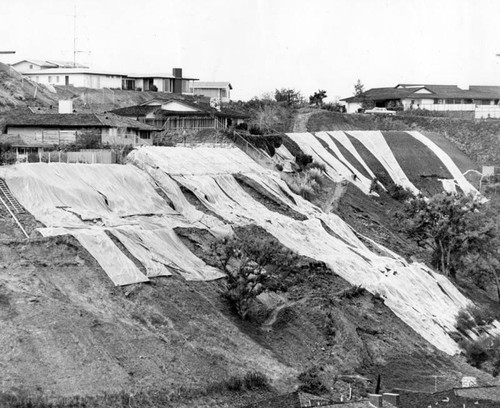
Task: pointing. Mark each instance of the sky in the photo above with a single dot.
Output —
(262, 45)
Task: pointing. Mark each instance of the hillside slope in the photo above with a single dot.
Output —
(60, 310)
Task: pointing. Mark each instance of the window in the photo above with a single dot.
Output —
(57, 78)
(31, 66)
(50, 79)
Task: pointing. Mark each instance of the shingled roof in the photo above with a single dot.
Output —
(202, 109)
(404, 91)
(74, 120)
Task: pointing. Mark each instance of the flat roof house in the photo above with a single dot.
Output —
(220, 90)
(482, 101)
(30, 65)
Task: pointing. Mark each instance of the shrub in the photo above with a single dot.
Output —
(481, 315)
(303, 160)
(252, 265)
(317, 166)
(255, 130)
(254, 380)
(234, 383)
(310, 382)
(241, 126)
(399, 193)
(464, 321)
(475, 353)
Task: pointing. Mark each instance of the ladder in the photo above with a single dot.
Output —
(9, 202)
(9, 198)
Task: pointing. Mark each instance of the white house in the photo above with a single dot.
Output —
(479, 101)
(32, 65)
(220, 90)
(79, 77)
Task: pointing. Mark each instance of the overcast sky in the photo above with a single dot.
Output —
(260, 45)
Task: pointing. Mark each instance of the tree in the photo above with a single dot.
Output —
(359, 91)
(289, 97)
(317, 98)
(457, 228)
(359, 88)
(252, 265)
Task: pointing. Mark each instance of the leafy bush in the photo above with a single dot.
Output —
(316, 165)
(475, 353)
(252, 265)
(303, 159)
(310, 382)
(458, 229)
(255, 130)
(234, 383)
(464, 321)
(481, 315)
(399, 193)
(255, 380)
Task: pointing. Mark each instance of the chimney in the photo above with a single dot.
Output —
(66, 106)
(177, 73)
(392, 398)
(375, 400)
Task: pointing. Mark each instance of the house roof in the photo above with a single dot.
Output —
(52, 63)
(202, 109)
(77, 70)
(216, 85)
(413, 91)
(74, 120)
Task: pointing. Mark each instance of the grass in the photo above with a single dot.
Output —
(252, 380)
(306, 183)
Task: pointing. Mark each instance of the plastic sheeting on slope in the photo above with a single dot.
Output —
(86, 200)
(426, 301)
(201, 160)
(120, 269)
(375, 142)
(68, 195)
(161, 249)
(462, 182)
(342, 138)
(334, 168)
(142, 159)
(363, 180)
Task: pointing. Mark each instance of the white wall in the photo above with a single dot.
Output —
(352, 107)
(178, 107)
(88, 80)
(25, 67)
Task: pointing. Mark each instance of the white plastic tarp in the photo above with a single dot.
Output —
(82, 200)
(120, 269)
(466, 187)
(360, 180)
(161, 249)
(375, 142)
(426, 301)
(342, 138)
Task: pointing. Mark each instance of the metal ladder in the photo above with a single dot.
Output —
(10, 201)
(14, 204)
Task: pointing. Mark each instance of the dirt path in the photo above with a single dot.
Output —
(301, 119)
